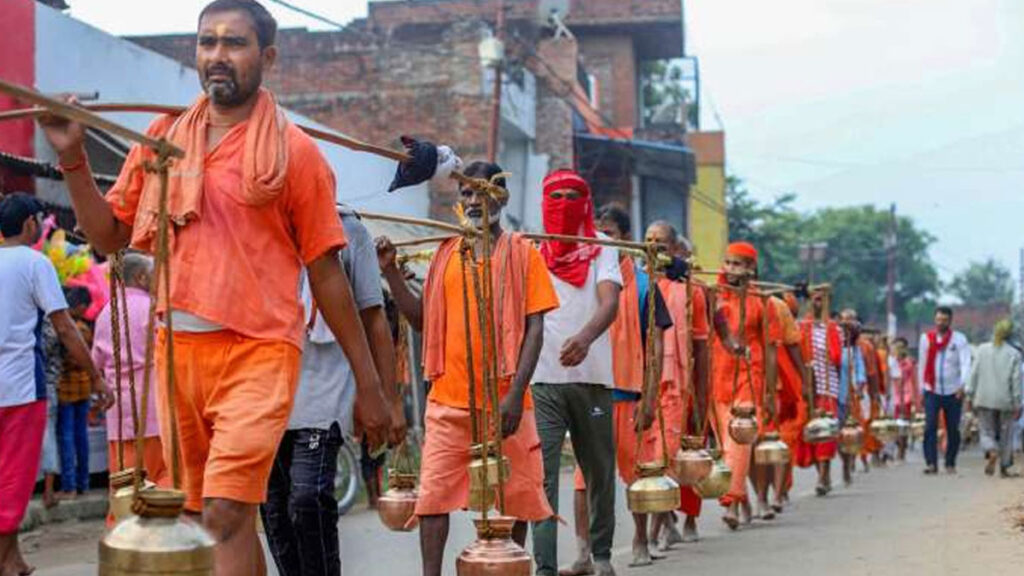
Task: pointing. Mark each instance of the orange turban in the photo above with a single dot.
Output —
(743, 250)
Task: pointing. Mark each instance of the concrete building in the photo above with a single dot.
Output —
(569, 99)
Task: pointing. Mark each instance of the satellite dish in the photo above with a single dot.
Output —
(551, 12)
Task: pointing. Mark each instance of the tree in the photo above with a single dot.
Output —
(856, 259)
(987, 282)
(663, 94)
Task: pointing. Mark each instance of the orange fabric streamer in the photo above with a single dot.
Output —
(627, 347)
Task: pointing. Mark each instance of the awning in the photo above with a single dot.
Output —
(674, 162)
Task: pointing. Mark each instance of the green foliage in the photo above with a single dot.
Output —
(662, 91)
(855, 261)
(987, 282)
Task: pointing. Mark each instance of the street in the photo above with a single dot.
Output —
(893, 521)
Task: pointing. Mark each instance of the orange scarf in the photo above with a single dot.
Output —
(627, 347)
(264, 164)
(676, 350)
(509, 264)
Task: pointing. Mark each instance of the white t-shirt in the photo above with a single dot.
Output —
(29, 290)
(577, 307)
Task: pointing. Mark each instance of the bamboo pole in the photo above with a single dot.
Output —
(423, 240)
(47, 105)
(437, 224)
(324, 135)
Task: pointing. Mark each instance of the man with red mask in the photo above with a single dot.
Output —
(572, 385)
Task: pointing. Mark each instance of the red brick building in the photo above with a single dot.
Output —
(569, 100)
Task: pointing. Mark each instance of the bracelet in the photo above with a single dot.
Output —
(74, 167)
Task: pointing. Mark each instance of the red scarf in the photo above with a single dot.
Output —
(936, 344)
(570, 261)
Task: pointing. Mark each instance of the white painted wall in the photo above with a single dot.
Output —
(72, 56)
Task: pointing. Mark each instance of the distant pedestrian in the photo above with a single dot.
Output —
(994, 392)
(944, 365)
(73, 393)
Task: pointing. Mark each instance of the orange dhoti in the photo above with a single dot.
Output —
(444, 471)
(233, 396)
(673, 410)
(737, 456)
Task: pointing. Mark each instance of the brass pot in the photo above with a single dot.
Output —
(902, 428)
(771, 451)
(478, 468)
(917, 427)
(851, 438)
(494, 553)
(884, 429)
(717, 482)
(122, 486)
(480, 500)
(157, 542)
(743, 425)
(691, 463)
(823, 428)
(654, 491)
(397, 506)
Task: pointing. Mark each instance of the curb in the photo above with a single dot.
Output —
(92, 506)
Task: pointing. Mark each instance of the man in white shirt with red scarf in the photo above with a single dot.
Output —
(944, 366)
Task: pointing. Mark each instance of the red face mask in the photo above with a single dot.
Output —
(570, 261)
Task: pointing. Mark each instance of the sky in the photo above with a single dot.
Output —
(842, 102)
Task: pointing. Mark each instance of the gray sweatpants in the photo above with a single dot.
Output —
(996, 427)
(585, 412)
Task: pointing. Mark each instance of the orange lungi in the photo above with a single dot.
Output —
(233, 397)
(444, 474)
(737, 456)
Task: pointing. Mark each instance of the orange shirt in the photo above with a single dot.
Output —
(452, 387)
(724, 363)
(238, 264)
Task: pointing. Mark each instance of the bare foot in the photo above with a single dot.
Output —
(730, 517)
(50, 500)
(765, 512)
(578, 568)
(641, 556)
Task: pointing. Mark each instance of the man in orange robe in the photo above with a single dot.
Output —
(873, 369)
(519, 309)
(685, 371)
(823, 346)
(790, 407)
(252, 203)
(737, 360)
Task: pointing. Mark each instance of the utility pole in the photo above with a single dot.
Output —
(499, 67)
(890, 292)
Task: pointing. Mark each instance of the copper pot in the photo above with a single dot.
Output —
(743, 426)
(397, 506)
(851, 438)
(771, 451)
(122, 486)
(823, 428)
(479, 468)
(157, 542)
(494, 553)
(654, 491)
(717, 482)
(691, 463)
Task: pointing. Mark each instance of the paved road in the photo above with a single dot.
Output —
(893, 521)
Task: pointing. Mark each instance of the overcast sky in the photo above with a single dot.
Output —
(918, 102)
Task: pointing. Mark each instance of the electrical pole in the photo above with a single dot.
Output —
(890, 292)
(499, 67)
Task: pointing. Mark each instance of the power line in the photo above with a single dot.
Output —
(309, 14)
